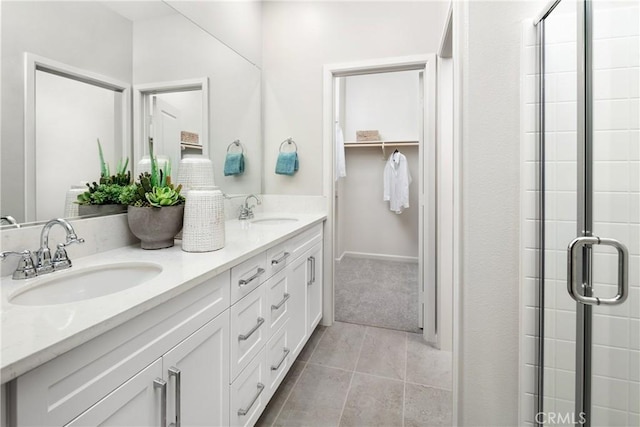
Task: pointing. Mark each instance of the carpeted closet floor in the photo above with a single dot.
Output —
(377, 293)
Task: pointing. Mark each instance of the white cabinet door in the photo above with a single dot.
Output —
(314, 287)
(249, 333)
(248, 394)
(137, 402)
(297, 280)
(197, 375)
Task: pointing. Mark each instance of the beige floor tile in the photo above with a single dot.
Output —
(317, 398)
(383, 353)
(373, 401)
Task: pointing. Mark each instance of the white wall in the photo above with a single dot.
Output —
(487, 50)
(85, 35)
(237, 24)
(387, 102)
(298, 39)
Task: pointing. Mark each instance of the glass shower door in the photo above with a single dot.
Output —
(590, 301)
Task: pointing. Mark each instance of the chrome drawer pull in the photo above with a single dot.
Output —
(279, 260)
(284, 356)
(255, 328)
(310, 265)
(162, 385)
(175, 372)
(245, 282)
(313, 269)
(281, 303)
(243, 412)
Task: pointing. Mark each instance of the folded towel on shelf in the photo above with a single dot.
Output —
(287, 163)
(234, 164)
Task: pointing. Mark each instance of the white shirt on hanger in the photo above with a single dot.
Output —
(396, 182)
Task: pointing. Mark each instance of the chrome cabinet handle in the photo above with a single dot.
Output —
(310, 262)
(245, 282)
(286, 352)
(313, 269)
(175, 372)
(162, 385)
(243, 412)
(574, 266)
(281, 303)
(279, 260)
(242, 337)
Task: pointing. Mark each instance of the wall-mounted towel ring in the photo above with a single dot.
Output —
(288, 141)
(237, 143)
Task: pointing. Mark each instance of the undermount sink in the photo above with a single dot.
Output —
(85, 283)
(274, 221)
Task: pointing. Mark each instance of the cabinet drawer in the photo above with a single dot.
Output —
(248, 393)
(57, 391)
(249, 329)
(278, 359)
(278, 257)
(304, 241)
(278, 296)
(247, 276)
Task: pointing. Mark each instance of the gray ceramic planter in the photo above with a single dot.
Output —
(155, 227)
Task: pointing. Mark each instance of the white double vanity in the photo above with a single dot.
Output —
(206, 341)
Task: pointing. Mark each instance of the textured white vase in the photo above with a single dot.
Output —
(70, 205)
(195, 170)
(203, 229)
(144, 165)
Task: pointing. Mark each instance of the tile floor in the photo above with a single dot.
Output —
(377, 293)
(354, 375)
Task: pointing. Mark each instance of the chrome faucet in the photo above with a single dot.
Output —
(9, 220)
(60, 261)
(246, 211)
(25, 269)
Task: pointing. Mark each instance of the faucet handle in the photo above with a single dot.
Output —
(71, 240)
(25, 269)
(60, 259)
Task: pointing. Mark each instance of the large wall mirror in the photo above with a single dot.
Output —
(157, 64)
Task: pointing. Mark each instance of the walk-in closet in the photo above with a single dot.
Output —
(379, 130)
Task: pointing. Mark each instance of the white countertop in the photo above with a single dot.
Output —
(33, 335)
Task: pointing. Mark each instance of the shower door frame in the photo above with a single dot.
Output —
(585, 223)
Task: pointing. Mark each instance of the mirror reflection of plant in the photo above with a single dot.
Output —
(153, 189)
(110, 187)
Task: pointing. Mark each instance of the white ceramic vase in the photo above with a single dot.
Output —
(203, 229)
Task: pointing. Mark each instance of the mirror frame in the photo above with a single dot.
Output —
(35, 63)
(140, 111)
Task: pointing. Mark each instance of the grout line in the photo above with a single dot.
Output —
(353, 373)
(429, 386)
(304, 368)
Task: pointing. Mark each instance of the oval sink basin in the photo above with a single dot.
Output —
(273, 221)
(85, 283)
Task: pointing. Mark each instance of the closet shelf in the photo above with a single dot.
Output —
(185, 145)
(380, 143)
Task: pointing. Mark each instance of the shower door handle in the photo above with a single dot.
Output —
(575, 264)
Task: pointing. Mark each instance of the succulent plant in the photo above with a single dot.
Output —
(153, 189)
(109, 187)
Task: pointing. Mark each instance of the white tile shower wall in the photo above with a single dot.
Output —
(616, 367)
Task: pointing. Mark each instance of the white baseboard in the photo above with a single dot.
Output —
(384, 257)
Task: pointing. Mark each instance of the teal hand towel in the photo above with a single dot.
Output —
(234, 164)
(287, 163)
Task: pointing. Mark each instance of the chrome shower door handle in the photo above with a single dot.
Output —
(574, 266)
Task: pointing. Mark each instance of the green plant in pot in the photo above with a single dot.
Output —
(156, 207)
(103, 197)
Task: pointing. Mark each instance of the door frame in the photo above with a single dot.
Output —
(427, 150)
(141, 109)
